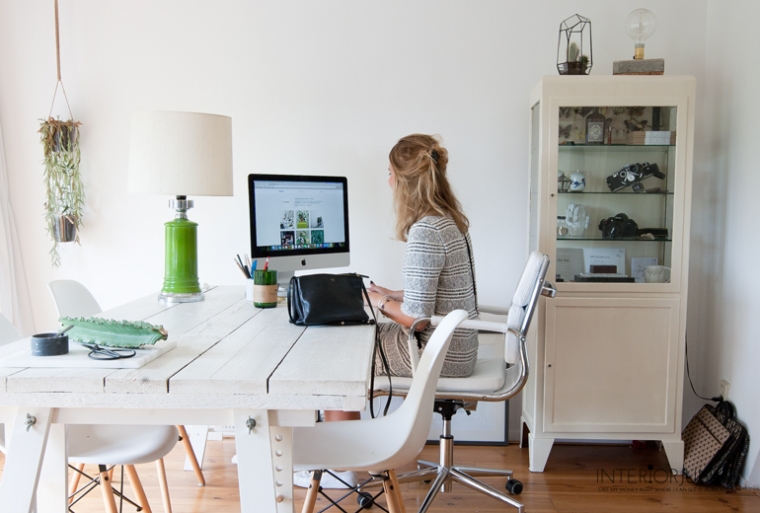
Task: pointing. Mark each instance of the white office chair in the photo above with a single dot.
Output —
(494, 379)
(72, 299)
(378, 445)
(116, 445)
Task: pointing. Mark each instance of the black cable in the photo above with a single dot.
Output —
(688, 374)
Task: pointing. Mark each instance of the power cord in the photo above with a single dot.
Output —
(717, 399)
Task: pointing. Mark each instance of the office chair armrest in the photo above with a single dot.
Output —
(491, 309)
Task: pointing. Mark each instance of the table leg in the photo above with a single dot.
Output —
(265, 463)
(196, 436)
(24, 459)
(52, 491)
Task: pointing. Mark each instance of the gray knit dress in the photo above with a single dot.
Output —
(438, 278)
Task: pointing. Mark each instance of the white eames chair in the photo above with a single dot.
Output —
(378, 445)
(115, 445)
(72, 299)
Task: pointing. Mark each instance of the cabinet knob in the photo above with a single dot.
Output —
(549, 365)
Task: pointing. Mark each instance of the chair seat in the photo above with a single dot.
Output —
(119, 444)
(489, 375)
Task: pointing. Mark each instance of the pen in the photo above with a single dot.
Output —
(240, 266)
(253, 266)
(266, 264)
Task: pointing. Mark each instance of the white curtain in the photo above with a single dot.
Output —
(14, 292)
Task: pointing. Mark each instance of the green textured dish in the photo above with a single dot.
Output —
(112, 333)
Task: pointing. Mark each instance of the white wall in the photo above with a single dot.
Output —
(318, 87)
(724, 326)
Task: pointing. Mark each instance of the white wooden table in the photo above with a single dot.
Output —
(233, 364)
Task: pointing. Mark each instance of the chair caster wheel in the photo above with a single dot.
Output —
(514, 486)
(365, 500)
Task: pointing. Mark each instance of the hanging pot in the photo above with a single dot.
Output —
(65, 228)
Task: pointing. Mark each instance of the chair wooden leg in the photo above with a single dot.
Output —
(74, 484)
(393, 493)
(191, 455)
(164, 485)
(105, 488)
(134, 482)
(311, 494)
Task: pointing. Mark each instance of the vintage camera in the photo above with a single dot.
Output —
(618, 227)
(633, 174)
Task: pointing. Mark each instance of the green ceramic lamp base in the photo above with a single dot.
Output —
(181, 283)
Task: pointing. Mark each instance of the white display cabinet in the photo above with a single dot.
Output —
(608, 351)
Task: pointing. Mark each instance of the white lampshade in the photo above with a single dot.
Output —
(180, 154)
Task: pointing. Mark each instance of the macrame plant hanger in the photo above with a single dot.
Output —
(64, 191)
(59, 82)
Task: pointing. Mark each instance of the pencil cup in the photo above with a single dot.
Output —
(249, 289)
(265, 289)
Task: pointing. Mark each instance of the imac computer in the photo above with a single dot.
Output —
(299, 223)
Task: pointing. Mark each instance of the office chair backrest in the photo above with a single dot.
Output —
(72, 299)
(524, 302)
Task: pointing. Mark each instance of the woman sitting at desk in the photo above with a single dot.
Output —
(439, 275)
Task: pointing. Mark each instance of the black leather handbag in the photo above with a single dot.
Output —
(317, 299)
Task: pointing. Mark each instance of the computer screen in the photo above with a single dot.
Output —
(299, 222)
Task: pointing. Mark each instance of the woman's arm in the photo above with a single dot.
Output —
(391, 308)
(396, 295)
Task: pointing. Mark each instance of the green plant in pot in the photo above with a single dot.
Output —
(63, 184)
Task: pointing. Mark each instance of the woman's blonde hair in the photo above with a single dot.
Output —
(422, 189)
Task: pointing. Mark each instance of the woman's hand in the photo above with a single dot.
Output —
(374, 297)
(396, 295)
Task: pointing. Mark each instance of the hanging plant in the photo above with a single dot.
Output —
(63, 184)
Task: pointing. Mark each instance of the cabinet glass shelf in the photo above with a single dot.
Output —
(616, 147)
(631, 193)
(621, 239)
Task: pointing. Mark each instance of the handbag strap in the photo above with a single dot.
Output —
(472, 272)
(291, 290)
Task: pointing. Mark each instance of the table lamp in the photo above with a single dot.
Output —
(181, 154)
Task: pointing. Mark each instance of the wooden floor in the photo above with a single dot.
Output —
(577, 479)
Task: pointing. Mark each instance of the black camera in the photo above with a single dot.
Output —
(633, 174)
(618, 227)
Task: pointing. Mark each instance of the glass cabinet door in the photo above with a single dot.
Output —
(615, 193)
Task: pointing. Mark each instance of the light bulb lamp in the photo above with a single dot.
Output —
(639, 25)
(180, 154)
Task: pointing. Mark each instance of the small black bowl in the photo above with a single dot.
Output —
(49, 344)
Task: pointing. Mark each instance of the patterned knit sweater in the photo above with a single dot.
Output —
(439, 278)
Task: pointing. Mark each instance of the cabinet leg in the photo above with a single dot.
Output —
(539, 449)
(524, 432)
(674, 452)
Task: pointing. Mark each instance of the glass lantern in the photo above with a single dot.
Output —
(574, 55)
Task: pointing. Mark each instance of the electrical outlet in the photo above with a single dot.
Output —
(725, 386)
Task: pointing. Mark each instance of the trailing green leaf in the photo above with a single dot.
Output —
(63, 183)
